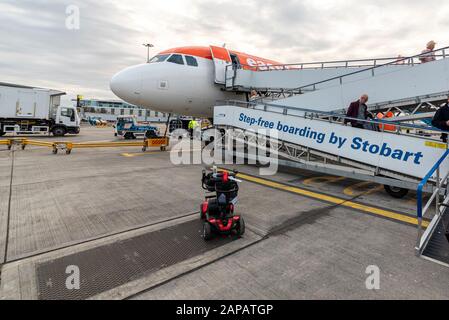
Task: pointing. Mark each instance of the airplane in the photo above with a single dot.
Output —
(186, 80)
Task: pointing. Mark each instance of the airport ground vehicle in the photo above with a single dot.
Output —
(218, 210)
(129, 128)
(96, 121)
(28, 110)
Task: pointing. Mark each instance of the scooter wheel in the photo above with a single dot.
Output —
(207, 231)
(241, 227)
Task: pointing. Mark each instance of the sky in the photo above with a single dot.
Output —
(43, 44)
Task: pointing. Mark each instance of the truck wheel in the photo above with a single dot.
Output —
(59, 131)
(396, 192)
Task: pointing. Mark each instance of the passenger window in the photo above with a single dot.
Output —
(159, 58)
(176, 58)
(191, 61)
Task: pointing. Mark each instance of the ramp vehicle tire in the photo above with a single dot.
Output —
(396, 192)
(129, 136)
(207, 231)
(59, 131)
(150, 134)
(241, 227)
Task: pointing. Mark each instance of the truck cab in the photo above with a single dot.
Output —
(67, 120)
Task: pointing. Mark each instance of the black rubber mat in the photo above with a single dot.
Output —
(438, 246)
(106, 267)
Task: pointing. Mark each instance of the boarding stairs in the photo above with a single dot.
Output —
(287, 78)
(293, 148)
(308, 132)
(245, 125)
(405, 85)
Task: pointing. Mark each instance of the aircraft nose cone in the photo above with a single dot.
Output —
(127, 84)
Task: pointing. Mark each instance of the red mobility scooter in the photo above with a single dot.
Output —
(218, 210)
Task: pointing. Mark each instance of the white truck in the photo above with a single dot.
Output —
(28, 110)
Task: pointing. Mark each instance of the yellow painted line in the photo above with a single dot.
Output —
(349, 191)
(335, 200)
(138, 154)
(132, 155)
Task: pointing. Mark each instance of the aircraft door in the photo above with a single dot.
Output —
(222, 59)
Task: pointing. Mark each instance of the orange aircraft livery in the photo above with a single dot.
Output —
(246, 61)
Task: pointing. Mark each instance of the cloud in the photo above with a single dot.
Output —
(37, 49)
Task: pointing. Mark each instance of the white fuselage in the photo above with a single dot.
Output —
(172, 88)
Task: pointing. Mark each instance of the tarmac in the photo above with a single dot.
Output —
(308, 236)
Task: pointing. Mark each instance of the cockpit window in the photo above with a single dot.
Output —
(159, 58)
(176, 58)
(191, 61)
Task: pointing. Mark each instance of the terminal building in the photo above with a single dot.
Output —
(109, 110)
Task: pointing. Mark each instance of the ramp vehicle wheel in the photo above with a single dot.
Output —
(129, 136)
(241, 227)
(150, 134)
(396, 192)
(59, 132)
(207, 231)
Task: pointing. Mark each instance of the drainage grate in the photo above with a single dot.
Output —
(112, 265)
(438, 246)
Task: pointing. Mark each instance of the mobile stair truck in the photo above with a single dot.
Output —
(28, 110)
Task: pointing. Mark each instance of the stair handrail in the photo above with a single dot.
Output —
(319, 64)
(372, 69)
(420, 211)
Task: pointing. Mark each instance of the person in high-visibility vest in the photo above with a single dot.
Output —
(192, 126)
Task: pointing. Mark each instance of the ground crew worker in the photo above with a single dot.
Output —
(192, 126)
(441, 120)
